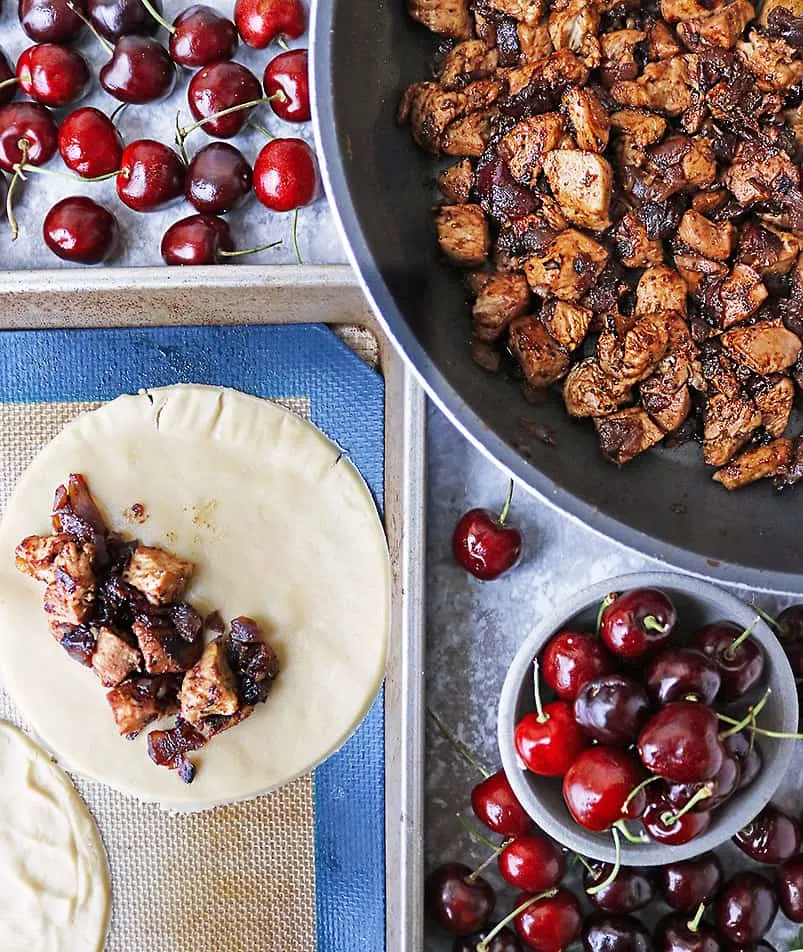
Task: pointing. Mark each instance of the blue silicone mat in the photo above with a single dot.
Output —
(346, 399)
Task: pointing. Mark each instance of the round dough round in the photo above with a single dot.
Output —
(54, 878)
(281, 527)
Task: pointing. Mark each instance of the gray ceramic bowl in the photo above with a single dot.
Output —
(697, 603)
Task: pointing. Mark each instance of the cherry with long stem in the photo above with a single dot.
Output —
(730, 651)
(15, 179)
(270, 137)
(749, 718)
(705, 792)
(458, 745)
(617, 864)
(183, 131)
(694, 924)
(484, 944)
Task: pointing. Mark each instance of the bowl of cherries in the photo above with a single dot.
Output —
(648, 720)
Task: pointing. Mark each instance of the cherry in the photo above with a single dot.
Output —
(675, 933)
(738, 657)
(790, 632)
(549, 742)
(598, 784)
(549, 923)
(687, 883)
(78, 229)
(218, 179)
(532, 863)
(790, 888)
(571, 659)
(457, 901)
(504, 941)
(772, 837)
(151, 175)
(287, 74)
(612, 709)
(745, 908)
(90, 143)
(53, 75)
(115, 19)
(140, 71)
(630, 889)
(615, 933)
(260, 22)
(485, 546)
(681, 743)
(742, 747)
(199, 35)
(682, 674)
(217, 88)
(51, 21)
(7, 88)
(31, 123)
(637, 622)
(495, 805)
(718, 789)
(202, 239)
(665, 824)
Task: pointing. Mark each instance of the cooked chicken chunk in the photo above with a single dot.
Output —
(664, 86)
(534, 41)
(775, 405)
(138, 702)
(209, 687)
(693, 269)
(618, 55)
(661, 289)
(114, 658)
(567, 323)
(542, 359)
(463, 234)
(35, 555)
(164, 650)
(468, 135)
(772, 61)
(742, 293)
(450, 17)
(429, 109)
(754, 169)
(159, 575)
(662, 42)
(706, 238)
(768, 250)
(528, 142)
(589, 392)
(500, 298)
(528, 11)
(632, 356)
(633, 246)
(626, 433)
(684, 163)
(70, 594)
(756, 463)
(729, 423)
(455, 182)
(573, 25)
(720, 29)
(644, 128)
(587, 117)
(465, 62)
(766, 348)
(581, 183)
(668, 408)
(676, 11)
(568, 267)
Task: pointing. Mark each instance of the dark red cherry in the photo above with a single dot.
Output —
(745, 908)
(51, 21)
(90, 143)
(495, 804)
(285, 178)
(115, 19)
(551, 923)
(548, 746)
(140, 71)
(218, 87)
(681, 743)
(638, 621)
(504, 941)
(571, 659)
(718, 789)
(664, 824)
(151, 175)
(78, 229)
(8, 92)
(790, 888)
(612, 709)
(287, 78)
(740, 667)
(218, 179)
(484, 544)
(532, 863)
(201, 36)
(682, 674)
(790, 633)
(744, 750)
(631, 889)
(198, 239)
(606, 932)
(598, 783)
(459, 904)
(260, 22)
(772, 837)
(674, 933)
(53, 75)
(31, 123)
(687, 884)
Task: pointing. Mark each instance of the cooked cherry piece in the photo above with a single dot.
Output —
(740, 668)
(504, 941)
(218, 87)
(499, 194)
(674, 934)
(51, 21)
(457, 903)
(284, 175)
(790, 888)
(151, 175)
(719, 788)
(218, 179)
(140, 71)
(7, 93)
(664, 826)
(495, 804)
(615, 933)
(790, 632)
(201, 36)
(53, 75)
(681, 743)
(743, 748)
(632, 888)
(90, 143)
(29, 122)
(115, 19)
(682, 674)
(772, 837)
(198, 239)
(572, 659)
(551, 923)
(549, 746)
(260, 22)
(532, 863)
(482, 543)
(598, 783)
(745, 907)
(637, 622)
(78, 229)
(686, 884)
(287, 78)
(612, 709)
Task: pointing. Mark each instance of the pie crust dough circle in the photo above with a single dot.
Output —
(54, 879)
(281, 527)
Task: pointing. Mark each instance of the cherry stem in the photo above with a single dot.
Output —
(476, 834)
(282, 42)
(694, 924)
(24, 168)
(87, 22)
(9, 82)
(182, 133)
(118, 112)
(255, 125)
(506, 508)
(750, 717)
(705, 792)
(179, 140)
(637, 790)
(585, 864)
(761, 730)
(637, 838)
(730, 651)
(458, 745)
(22, 145)
(295, 236)
(158, 16)
(609, 599)
(617, 865)
(474, 876)
(539, 707)
(483, 945)
(248, 251)
(651, 623)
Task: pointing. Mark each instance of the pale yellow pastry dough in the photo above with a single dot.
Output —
(54, 879)
(281, 527)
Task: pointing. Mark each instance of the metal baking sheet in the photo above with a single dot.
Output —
(127, 297)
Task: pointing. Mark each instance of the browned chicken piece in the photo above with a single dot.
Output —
(741, 295)
(568, 267)
(626, 433)
(528, 142)
(772, 61)
(450, 17)
(643, 128)
(634, 355)
(581, 182)
(693, 268)
(534, 41)
(164, 650)
(754, 169)
(455, 182)
(567, 141)
(710, 201)
(468, 135)
(429, 109)
(486, 356)
(159, 575)
(466, 62)
(209, 687)
(528, 11)
(794, 119)
(668, 408)
(665, 393)
(542, 359)
(70, 594)
(500, 298)
(553, 213)
(676, 11)
(139, 702)
(768, 250)
(618, 55)
(518, 240)
(482, 93)
(633, 246)
(662, 42)
(567, 323)
(706, 238)
(588, 118)
(563, 68)
(36, 554)
(114, 658)
(720, 374)
(665, 86)
(463, 234)
(729, 423)
(766, 348)
(574, 25)
(661, 289)
(684, 163)
(720, 29)
(775, 405)
(589, 392)
(756, 463)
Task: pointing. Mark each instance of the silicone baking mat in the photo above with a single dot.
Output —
(296, 871)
